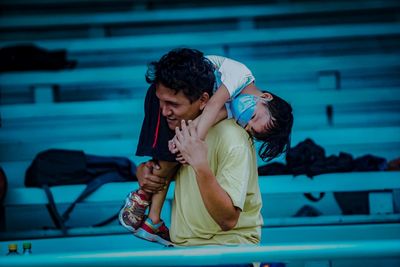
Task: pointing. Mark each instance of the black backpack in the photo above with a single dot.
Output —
(3, 185)
(3, 191)
(22, 57)
(67, 167)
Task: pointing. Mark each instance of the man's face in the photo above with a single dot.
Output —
(177, 107)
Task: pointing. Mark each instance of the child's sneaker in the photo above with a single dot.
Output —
(154, 232)
(132, 214)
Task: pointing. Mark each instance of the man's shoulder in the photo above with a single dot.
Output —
(228, 129)
(228, 124)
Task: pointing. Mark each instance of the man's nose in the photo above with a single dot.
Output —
(165, 110)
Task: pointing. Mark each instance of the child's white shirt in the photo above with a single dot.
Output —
(233, 74)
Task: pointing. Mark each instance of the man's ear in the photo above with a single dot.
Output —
(204, 100)
(267, 96)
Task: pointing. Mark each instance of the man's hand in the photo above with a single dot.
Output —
(172, 148)
(192, 149)
(147, 180)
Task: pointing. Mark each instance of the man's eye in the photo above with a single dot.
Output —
(172, 104)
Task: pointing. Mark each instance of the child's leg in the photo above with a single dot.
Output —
(146, 195)
(167, 170)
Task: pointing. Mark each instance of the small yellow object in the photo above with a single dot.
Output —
(12, 247)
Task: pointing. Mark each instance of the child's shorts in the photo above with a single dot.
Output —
(155, 133)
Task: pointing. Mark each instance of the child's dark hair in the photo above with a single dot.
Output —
(277, 140)
(183, 69)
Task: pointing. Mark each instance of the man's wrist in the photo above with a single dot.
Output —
(202, 169)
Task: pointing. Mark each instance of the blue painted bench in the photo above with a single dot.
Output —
(329, 138)
(357, 141)
(221, 39)
(349, 107)
(137, 50)
(135, 74)
(300, 74)
(237, 13)
(383, 198)
(125, 250)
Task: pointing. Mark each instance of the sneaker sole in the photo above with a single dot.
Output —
(153, 238)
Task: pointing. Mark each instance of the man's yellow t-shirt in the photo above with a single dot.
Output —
(232, 159)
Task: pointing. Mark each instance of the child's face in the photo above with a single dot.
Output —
(261, 121)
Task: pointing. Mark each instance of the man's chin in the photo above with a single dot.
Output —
(172, 124)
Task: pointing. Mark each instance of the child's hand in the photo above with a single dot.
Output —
(174, 150)
(191, 147)
(172, 147)
(181, 159)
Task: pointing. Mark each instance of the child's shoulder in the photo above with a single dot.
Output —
(216, 60)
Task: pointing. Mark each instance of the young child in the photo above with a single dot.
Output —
(265, 116)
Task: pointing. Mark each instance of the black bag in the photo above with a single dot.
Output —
(3, 185)
(67, 167)
(302, 156)
(31, 57)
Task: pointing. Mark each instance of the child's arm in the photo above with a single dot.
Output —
(213, 112)
(210, 116)
(222, 114)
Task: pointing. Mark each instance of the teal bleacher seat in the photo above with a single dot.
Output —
(188, 14)
(126, 250)
(295, 75)
(31, 202)
(211, 16)
(379, 141)
(103, 52)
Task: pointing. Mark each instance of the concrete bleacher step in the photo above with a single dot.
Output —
(269, 235)
(259, 44)
(349, 107)
(107, 147)
(307, 74)
(340, 114)
(225, 39)
(277, 184)
(16, 156)
(126, 126)
(313, 100)
(188, 14)
(243, 16)
(361, 140)
(37, 7)
(110, 196)
(369, 251)
(262, 69)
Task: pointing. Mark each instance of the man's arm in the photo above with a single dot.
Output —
(147, 180)
(217, 202)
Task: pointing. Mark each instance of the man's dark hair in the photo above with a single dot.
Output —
(277, 139)
(185, 70)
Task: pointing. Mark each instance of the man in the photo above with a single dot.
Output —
(217, 198)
